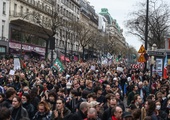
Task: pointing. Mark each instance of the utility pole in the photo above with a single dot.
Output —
(146, 29)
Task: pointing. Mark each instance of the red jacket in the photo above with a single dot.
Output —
(113, 118)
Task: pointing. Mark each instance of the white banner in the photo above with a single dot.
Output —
(17, 64)
(159, 66)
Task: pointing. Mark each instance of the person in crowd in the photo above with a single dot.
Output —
(92, 114)
(27, 105)
(51, 100)
(10, 94)
(107, 113)
(61, 112)
(161, 115)
(98, 107)
(119, 101)
(35, 98)
(81, 114)
(137, 102)
(2, 98)
(117, 113)
(136, 114)
(91, 97)
(108, 97)
(5, 113)
(43, 112)
(151, 96)
(127, 116)
(100, 98)
(107, 90)
(146, 87)
(89, 86)
(141, 91)
(132, 94)
(150, 107)
(17, 110)
(16, 83)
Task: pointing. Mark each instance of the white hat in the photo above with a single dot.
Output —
(93, 103)
(129, 79)
(67, 76)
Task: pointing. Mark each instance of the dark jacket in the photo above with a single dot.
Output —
(79, 115)
(162, 115)
(30, 109)
(130, 97)
(66, 114)
(44, 116)
(7, 103)
(107, 114)
(18, 113)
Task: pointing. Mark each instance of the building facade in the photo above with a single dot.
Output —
(33, 22)
(66, 36)
(113, 30)
(4, 26)
(89, 17)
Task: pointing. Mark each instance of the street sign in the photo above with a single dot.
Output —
(142, 49)
(141, 58)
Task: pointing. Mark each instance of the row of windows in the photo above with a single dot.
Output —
(71, 5)
(45, 20)
(68, 14)
(60, 9)
(69, 45)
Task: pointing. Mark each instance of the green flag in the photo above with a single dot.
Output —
(58, 65)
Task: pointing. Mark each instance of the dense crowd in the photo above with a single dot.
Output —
(84, 91)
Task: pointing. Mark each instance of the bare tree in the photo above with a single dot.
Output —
(158, 23)
(84, 35)
(48, 26)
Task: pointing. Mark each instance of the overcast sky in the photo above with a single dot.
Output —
(119, 10)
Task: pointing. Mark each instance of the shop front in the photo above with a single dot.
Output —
(26, 51)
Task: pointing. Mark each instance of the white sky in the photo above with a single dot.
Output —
(119, 10)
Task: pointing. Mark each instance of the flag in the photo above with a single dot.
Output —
(165, 68)
(58, 65)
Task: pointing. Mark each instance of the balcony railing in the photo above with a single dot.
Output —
(38, 6)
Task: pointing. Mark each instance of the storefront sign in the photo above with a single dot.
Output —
(25, 47)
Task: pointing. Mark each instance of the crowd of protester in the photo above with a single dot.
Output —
(81, 92)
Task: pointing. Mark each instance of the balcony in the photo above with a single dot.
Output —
(37, 6)
(76, 3)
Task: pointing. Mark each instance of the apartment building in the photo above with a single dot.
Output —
(89, 17)
(113, 30)
(4, 25)
(32, 22)
(66, 36)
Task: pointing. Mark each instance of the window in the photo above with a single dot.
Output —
(3, 27)
(27, 12)
(2, 49)
(15, 9)
(4, 8)
(57, 42)
(21, 11)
